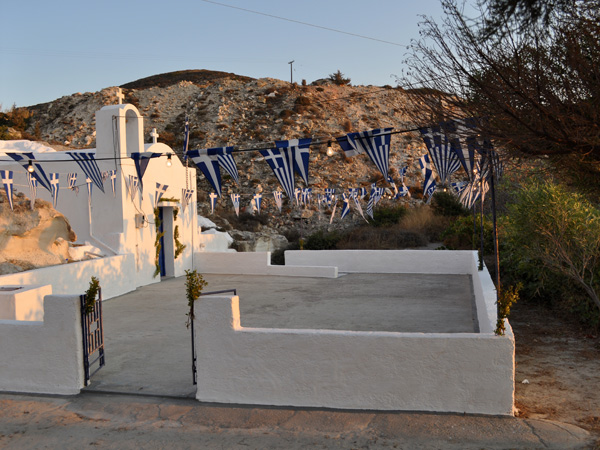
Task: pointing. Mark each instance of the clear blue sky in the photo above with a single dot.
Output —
(50, 49)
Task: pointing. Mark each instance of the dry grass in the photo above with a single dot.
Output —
(423, 220)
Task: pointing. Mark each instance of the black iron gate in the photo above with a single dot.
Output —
(192, 327)
(93, 338)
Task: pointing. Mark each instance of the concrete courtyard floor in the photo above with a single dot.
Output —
(143, 397)
(148, 347)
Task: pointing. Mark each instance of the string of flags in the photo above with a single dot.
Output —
(450, 146)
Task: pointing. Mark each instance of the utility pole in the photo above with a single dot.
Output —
(291, 63)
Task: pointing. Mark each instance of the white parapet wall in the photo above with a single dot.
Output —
(117, 276)
(44, 356)
(462, 372)
(444, 372)
(23, 302)
(256, 263)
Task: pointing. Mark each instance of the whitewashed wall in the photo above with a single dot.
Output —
(44, 356)
(463, 372)
(115, 273)
(256, 263)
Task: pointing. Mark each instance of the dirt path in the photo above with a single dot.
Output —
(558, 368)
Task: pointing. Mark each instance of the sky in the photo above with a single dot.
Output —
(51, 49)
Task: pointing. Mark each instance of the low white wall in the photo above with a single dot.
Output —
(44, 357)
(385, 261)
(24, 303)
(470, 373)
(117, 275)
(256, 263)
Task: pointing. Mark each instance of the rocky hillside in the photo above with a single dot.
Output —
(228, 109)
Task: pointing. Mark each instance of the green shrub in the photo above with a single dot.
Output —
(339, 79)
(384, 216)
(447, 204)
(322, 240)
(460, 235)
(557, 232)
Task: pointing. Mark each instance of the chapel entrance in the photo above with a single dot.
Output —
(166, 257)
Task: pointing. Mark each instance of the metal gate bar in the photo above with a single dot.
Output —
(93, 338)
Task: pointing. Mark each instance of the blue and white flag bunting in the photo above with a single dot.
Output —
(213, 200)
(359, 207)
(278, 199)
(257, 199)
(160, 191)
(132, 186)
(88, 181)
(33, 183)
(227, 162)
(54, 183)
(427, 173)
(113, 181)
(333, 210)
(300, 149)
(298, 195)
(87, 163)
(141, 161)
(72, 182)
(208, 162)
(38, 172)
(306, 194)
(7, 181)
(346, 208)
(375, 143)
(235, 199)
(186, 197)
(444, 156)
(282, 164)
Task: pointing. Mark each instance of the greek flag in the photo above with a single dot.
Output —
(213, 200)
(208, 162)
(235, 199)
(390, 180)
(54, 183)
(278, 200)
(362, 192)
(333, 209)
(375, 143)
(464, 142)
(7, 181)
(427, 173)
(113, 181)
(300, 149)
(141, 161)
(403, 192)
(257, 199)
(359, 208)
(459, 187)
(444, 157)
(298, 195)
(38, 172)
(186, 197)
(105, 175)
(87, 163)
(33, 183)
(282, 164)
(186, 138)
(88, 181)
(160, 191)
(306, 194)
(72, 181)
(133, 186)
(430, 190)
(402, 172)
(227, 162)
(329, 196)
(353, 192)
(346, 208)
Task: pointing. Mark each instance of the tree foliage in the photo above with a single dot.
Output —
(339, 79)
(536, 89)
(559, 230)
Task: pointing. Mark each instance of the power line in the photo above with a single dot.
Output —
(304, 23)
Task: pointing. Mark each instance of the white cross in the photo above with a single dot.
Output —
(154, 135)
(120, 95)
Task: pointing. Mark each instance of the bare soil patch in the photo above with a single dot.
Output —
(557, 368)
